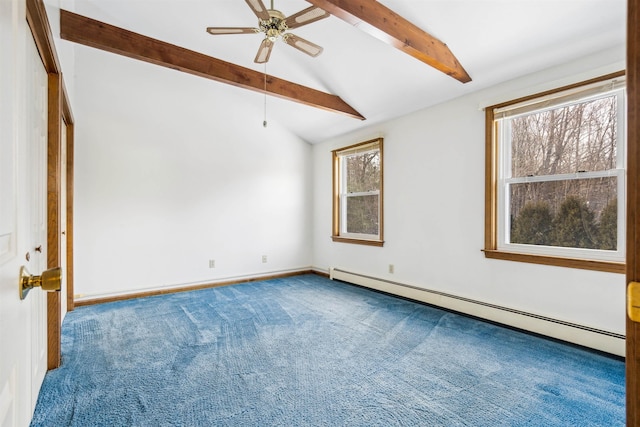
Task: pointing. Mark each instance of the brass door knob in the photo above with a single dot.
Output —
(50, 281)
(633, 301)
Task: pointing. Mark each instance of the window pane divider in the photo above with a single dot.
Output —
(363, 193)
(564, 176)
(498, 177)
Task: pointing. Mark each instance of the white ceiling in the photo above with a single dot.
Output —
(494, 40)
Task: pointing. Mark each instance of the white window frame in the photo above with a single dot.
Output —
(497, 228)
(340, 233)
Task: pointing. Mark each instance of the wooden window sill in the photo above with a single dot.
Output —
(606, 266)
(358, 241)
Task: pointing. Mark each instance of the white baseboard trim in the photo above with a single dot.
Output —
(597, 339)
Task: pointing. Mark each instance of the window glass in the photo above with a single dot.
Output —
(573, 138)
(358, 193)
(559, 174)
(566, 213)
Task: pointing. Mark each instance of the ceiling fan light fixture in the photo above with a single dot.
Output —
(274, 24)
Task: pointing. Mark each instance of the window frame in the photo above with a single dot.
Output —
(494, 199)
(339, 177)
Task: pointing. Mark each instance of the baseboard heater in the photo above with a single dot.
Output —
(608, 342)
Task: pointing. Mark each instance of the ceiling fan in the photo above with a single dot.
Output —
(274, 24)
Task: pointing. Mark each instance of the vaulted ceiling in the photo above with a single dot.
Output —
(493, 40)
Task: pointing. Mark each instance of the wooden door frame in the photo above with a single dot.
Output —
(633, 204)
(59, 114)
(69, 123)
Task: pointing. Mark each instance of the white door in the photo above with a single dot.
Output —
(23, 123)
(36, 190)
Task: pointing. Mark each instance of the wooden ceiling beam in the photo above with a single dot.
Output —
(89, 32)
(381, 22)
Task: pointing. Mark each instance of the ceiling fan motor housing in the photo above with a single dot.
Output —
(275, 26)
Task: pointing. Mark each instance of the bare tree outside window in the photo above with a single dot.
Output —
(574, 138)
(358, 193)
(363, 178)
(556, 202)
(555, 176)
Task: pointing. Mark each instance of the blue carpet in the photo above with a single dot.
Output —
(306, 351)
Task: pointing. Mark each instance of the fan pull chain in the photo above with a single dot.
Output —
(264, 122)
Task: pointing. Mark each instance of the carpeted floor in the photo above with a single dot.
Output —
(306, 351)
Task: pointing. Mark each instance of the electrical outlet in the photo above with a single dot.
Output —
(391, 268)
(264, 259)
(212, 263)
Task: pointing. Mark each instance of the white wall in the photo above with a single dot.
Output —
(434, 210)
(64, 49)
(169, 175)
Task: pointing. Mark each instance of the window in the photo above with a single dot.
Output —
(555, 179)
(357, 193)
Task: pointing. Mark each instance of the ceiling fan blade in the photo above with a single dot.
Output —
(301, 44)
(259, 9)
(306, 16)
(231, 30)
(264, 52)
